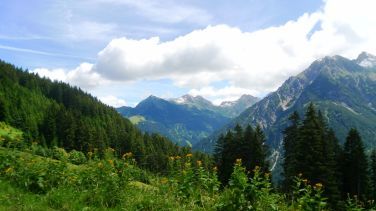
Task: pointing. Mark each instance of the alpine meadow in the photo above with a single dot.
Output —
(188, 105)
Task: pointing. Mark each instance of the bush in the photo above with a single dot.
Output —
(77, 157)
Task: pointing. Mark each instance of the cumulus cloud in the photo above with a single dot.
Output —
(82, 76)
(252, 62)
(113, 101)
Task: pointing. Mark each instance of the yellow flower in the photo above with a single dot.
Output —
(172, 158)
(238, 161)
(215, 168)
(189, 155)
(199, 163)
(305, 181)
(8, 170)
(318, 185)
(177, 157)
(127, 155)
(164, 180)
(111, 162)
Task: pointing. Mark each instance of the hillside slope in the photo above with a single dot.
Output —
(344, 90)
(181, 123)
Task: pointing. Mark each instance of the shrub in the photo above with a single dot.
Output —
(77, 157)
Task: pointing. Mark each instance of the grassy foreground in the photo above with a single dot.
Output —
(36, 178)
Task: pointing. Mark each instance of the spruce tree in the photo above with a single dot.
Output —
(218, 149)
(228, 158)
(312, 160)
(373, 173)
(246, 147)
(292, 148)
(259, 150)
(355, 172)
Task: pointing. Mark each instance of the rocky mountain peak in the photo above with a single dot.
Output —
(366, 60)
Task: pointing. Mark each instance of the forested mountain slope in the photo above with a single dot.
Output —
(344, 90)
(56, 114)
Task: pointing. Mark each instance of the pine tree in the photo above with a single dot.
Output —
(259, 150)
(355, 167)
(332, 169)
(218, 149)
(228, 158)
(292, 148)
(246, 148)
(373, 173)
(312, 160)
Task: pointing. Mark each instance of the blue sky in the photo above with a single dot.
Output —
(168, 48)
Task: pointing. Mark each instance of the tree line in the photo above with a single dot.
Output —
(56, 114)
(311, 151)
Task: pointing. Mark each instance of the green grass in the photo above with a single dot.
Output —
(8, 132)
(32, 182)
(137, 119)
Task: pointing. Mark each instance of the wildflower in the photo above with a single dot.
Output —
(8, 170)
(318, 185)
(164, 180)
(239, 161)
(111, 162)
(199, 163)
(215, 168)
(177, 157)
(300, 174)
(189, 155)
(172, 158)
(127, 155)
(305, 181)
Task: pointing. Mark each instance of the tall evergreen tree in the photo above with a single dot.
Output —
(355, 166)
(373, 173)
(312, 161)
(229, 155)
(291, 144)
(258, 150)
(311, 148)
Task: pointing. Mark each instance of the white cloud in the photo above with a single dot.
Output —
(257, 62)
(113, 101)
(82, 76)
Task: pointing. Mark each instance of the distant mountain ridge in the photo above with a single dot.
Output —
(183, 124)
(185, 120)
(227, 108)
(344, 90)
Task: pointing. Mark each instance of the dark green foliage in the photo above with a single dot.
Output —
(373, 173)
(293, 148)
(355, 166)
(312, 149)
(247, 145)
(57, 114)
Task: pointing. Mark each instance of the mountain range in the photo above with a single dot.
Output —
(187, 119)
(343, 90)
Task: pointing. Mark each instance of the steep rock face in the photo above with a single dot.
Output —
(344, 90)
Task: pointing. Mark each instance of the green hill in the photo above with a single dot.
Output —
(55, 114)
